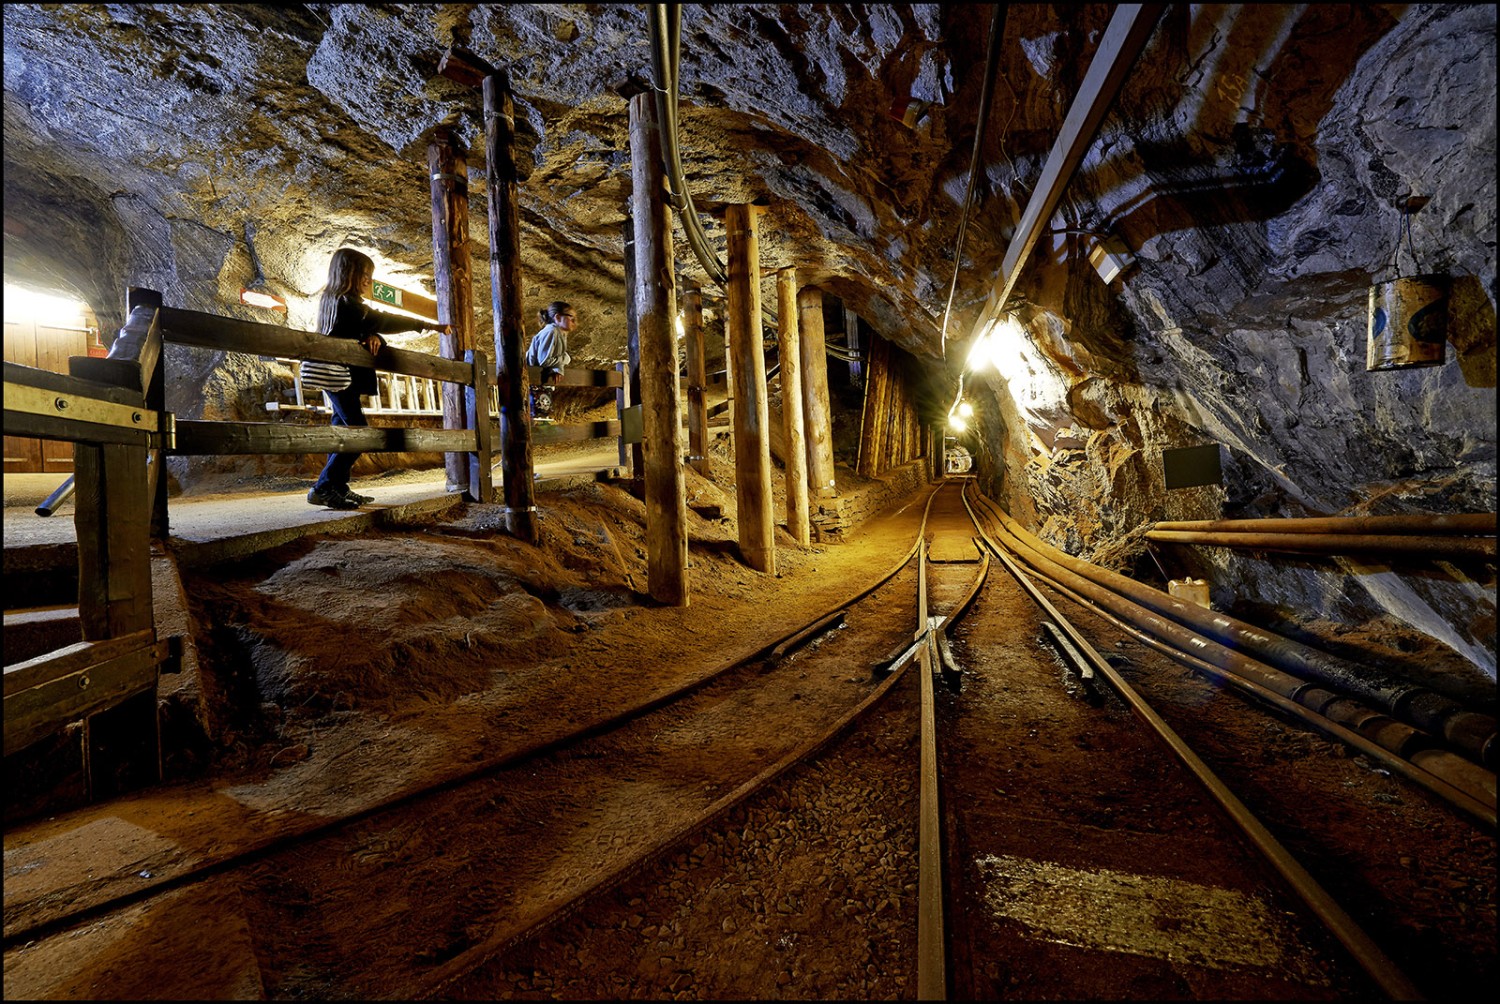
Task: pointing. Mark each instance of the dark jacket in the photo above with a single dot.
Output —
(354, 319)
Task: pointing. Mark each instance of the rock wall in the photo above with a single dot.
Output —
(1261, 204)
(1257, 164)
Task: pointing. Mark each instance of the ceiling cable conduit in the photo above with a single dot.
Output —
(666, 28)
(1126, 35)
(1416, 545)
(1478, 524)
(991, 67)
(1129, 29)
(1469, 732)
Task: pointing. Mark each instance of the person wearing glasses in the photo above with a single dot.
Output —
(549, 351)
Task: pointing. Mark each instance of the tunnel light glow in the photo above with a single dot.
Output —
(965, 409)
(258, 298)
(681, 330)
(25, 305)
(957, 423)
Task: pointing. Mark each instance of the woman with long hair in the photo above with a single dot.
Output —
(342, 313)
(549, 350)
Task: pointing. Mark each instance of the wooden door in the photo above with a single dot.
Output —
(45, 346)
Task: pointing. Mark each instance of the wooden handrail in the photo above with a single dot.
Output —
(228, 334)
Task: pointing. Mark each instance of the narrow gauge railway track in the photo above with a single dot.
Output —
(525, 840)
(1068, 883)
(809, 887)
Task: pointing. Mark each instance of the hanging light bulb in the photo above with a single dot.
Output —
(965, 409)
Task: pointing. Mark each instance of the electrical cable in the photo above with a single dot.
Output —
(991, 58)
(666, 35)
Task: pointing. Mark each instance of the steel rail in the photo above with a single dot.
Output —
(1469, 732)
(260, 846)
(456, 968)
(1369, 956)
(1457, 797)
(1437, 769)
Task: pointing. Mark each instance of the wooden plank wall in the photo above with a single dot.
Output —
(889, 434)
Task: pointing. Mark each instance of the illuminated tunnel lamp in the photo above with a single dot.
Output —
(957, 423)
(965, 409)
(260, 298)
(45, 309)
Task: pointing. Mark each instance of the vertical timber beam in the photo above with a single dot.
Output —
(505, 299)
(655, 313)
(818, 414)
(632, 333)
(752, 442)
(797, 517)
(697, 367)
(857, 373)
(477, 411)
(449, 173)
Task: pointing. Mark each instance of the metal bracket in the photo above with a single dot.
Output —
(30, 400)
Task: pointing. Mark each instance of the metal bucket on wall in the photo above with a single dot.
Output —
(1408, 322)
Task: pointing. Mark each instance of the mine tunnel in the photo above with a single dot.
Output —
(747, 501)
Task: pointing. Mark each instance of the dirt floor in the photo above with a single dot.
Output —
(339, 673)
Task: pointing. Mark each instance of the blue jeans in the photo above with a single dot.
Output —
(347, 410)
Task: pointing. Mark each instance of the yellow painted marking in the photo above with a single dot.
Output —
(1146, 915)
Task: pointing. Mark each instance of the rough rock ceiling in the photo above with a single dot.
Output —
(1256, 163)
(304, 127)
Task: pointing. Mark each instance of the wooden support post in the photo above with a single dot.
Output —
(516, 470)
(857, 373)
(655, 301)
(1129, 28)
(477, 411)
(752, 442)
(448, 170)
(113, 518)
(864, 457)
(622, 405)
(816, 409)
(632, 333)
(697, 374)
(154, 381)
(797, 519)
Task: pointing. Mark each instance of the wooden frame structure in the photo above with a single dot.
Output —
(112, 409)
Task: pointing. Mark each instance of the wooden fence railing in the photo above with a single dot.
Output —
(112, 409)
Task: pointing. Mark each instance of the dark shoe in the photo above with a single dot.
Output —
(331, 498)
(359, 499)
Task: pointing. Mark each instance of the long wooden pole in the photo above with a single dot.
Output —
(697, 366)
(797, 518)
(632, 330)
(857, 372)
(752, 442)
(864, 457)
(449, 173)
(655, 315)
(505, 300)
(818, 414)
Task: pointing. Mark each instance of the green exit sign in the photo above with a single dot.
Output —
(386, 294)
